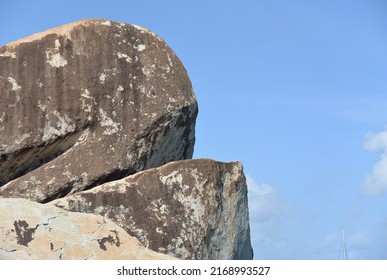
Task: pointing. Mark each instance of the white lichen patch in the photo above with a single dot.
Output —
(142, 29)
(159, 208)
(39, 83)
(86, 94)
(177, 246)
(62, 126)
(2, 117)
(80, 181)
(124, 56)
(52, 181)
(57, 44)
(83, 137)
(22, 138)
(145, 30)
(166, 68)
(154, 116)
(171, 178)
(55, 59)
(200, 180)
(41, 106)
(8, 54)
(164, 209)
(15, 85)
(87, 103)
(140, 47)
(160, 231)
(102, 78)
(142, 89)
(87, 107)
(105, 121)
(148, 70)
(119, 90)
(192, 201)
(169, 60)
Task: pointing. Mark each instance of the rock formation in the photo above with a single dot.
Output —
(192, 209)
(90, 102)
(97, 121)
(29, 230)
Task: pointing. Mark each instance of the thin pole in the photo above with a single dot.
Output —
(345, 253)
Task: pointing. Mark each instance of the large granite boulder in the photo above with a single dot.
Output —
(89, 102)
(192, 209)
(96, 117)
(29, 230)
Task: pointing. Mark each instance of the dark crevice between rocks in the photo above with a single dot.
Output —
(65, 190)
(112, 176)
(30, 158)
(68, 188)
(23, 161)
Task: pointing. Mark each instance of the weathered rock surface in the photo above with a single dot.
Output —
(192, 209)
(95, 118)
(29, 230)
(87, 103)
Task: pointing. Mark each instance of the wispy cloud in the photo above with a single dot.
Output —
(264, 202)
(267, 210)
(375, 182)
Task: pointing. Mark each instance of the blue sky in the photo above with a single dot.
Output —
(295, 90)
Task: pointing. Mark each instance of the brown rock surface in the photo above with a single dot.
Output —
(29, 230)
(192, 209)
(82, 108)
(87, 103)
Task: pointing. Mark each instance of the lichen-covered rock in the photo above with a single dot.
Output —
(29, 230)
(87, 103)
(85, 106)
(192, 209)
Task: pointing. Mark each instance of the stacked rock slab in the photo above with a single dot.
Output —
(90, 102)
(29, 230)
(97, 120)
(192, 209)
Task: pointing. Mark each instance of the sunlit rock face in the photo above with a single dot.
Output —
(29, 230)
(191, 209)
(97, 132)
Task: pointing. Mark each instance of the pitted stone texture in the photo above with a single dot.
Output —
(29, 230)
(87, 103)
(192, 209)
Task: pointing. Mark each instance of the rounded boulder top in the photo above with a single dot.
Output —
(89, 102)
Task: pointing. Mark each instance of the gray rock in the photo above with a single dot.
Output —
(87, 103)
(192, 209)
(29, 230)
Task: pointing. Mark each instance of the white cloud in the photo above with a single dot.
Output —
(267, 212)
(376, 141)
(264, 203)
(375, 183)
